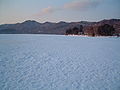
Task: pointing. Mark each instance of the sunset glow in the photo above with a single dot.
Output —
(14, 11)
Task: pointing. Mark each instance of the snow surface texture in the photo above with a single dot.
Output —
(47, 62)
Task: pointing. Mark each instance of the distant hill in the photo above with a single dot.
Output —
(33, 27)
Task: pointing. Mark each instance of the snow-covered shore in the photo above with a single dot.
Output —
(58, 62)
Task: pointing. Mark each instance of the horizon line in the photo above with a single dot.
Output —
(59, 21)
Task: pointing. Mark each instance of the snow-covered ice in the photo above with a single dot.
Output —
(56, 62)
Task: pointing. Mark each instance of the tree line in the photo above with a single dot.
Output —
(102, 30)
(75, 31)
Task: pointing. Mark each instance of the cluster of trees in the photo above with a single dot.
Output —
(106, 30)
(75, 31)
(102, 30)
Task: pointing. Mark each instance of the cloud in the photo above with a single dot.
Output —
(46, 11)
(81, 5)
(75, 5)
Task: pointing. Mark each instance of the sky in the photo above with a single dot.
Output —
(15, 11)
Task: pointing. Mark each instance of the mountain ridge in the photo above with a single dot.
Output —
(34, 27)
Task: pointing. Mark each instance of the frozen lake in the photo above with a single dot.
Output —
(56, 62)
